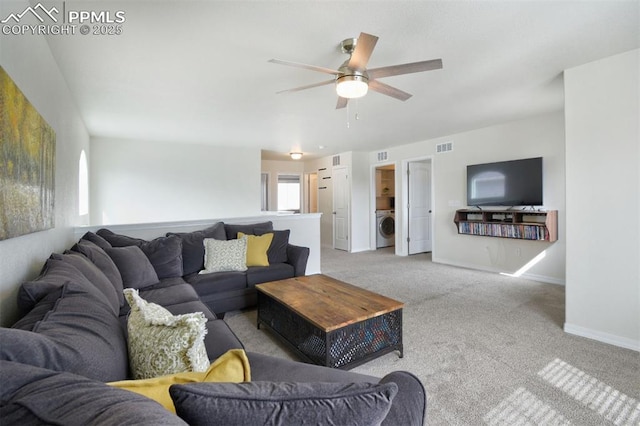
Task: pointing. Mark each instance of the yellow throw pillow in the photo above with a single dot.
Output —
(232, 366)
(257, 247)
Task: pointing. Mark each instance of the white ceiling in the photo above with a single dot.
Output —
(197, 71)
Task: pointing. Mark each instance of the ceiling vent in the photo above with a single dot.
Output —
(383, 156)
(336, 160)
(444, 147)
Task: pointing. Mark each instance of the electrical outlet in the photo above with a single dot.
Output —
(518, 252)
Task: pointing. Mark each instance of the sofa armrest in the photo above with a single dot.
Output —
(297, 257)
(409, 406)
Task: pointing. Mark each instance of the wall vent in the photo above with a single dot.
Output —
(444, 147)
(383, 156)
(336, 160)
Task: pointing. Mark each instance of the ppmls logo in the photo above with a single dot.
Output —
(33, 11)
(52, 22)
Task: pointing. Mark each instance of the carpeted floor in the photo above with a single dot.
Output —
(489, 348)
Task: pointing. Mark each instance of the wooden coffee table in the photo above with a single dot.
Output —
(329, 322)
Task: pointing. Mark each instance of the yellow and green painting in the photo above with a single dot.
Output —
(27, 164)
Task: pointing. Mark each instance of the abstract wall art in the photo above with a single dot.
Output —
(27, 164)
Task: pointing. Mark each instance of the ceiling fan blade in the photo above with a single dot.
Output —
(433, 64)
(305, 66)
(385, 89)
(308, 86)
(362, 53)
(342, 102)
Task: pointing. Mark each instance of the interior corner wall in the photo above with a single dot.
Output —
(151, 181)
(603, 200)
(28, 61)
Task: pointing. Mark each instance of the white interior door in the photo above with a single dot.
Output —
(419, 206)
(340, 209)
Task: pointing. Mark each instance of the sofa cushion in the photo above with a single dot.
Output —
(169, 295)
(231, 367)
(38, 312)
(278, 403)
(164, 253)
(193, 246)
(118, 240)
(93, 274)
(271, 368)
(80, 335)
(96, 239)
(205, 284)
(220, 339)
(275, 272)
(221, 256)
(161, 343)
(246, 228)
(37, 396)
(134, 266)
(278, 249)
(257, 247)
(55, 273)
(102, 260)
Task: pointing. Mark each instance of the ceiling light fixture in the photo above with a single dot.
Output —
(295, 155)
(352, 86)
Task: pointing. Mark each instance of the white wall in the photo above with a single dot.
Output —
(145, 181)
(534, 137)
(603, 200)
(28, 61)
(361, 203)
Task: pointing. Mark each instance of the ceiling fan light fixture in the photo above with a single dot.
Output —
(295, 155)
(352, 86)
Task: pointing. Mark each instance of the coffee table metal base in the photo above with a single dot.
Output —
(343, 348)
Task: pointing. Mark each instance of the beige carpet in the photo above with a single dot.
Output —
(489, 349)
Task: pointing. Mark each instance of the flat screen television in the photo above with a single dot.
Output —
(505, 183)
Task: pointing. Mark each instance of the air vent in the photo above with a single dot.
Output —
(336, 160)
(383, 156)
(444, 147)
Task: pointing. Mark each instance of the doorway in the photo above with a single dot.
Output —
(419, 206)
(385, 189)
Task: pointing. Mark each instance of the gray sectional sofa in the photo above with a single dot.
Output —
(221, 291)
(72, 338)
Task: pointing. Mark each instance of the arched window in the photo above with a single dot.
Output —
(83, 185)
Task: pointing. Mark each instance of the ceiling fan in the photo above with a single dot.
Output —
(353, 79)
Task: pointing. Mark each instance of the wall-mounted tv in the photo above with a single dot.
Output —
(506, 183)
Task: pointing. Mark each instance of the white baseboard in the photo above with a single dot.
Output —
(603, 337)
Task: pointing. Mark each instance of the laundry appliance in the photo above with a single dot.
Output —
(385, 228)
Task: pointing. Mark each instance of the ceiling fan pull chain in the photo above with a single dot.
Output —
(348, 125)
(357, 109)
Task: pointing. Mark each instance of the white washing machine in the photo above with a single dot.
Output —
(385, 228)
